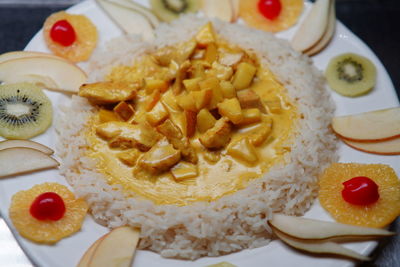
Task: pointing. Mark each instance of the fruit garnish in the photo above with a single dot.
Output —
(47, 231)
(360, 191)
(26, 143)
(63, 33)
(168, 10)
(378, 214)
(222, 9)
(270, 15)
(351, 75)
(62, 42)
(386, 147)
(48, 206)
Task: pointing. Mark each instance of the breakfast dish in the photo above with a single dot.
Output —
(155, 153)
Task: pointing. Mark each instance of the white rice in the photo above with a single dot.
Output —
(235, 221)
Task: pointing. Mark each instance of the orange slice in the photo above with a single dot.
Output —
(47, 231)
(86, 37)
(290, 13)
(378, 214)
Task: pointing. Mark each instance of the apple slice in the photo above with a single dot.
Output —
(25, 143)
(320, 247)
(20, 160)
(378, 125)
(389, 147)
(52, 73)
(129, 20)
(313, 27)
(303, 228)
(85, 260)
(123, 238)
(235, 8)
(22, 54)
(221, 9)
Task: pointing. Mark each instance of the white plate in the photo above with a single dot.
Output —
(68, 251)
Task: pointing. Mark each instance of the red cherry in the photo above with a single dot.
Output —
(270, 8)
(48, 206)
(360, 191)
(63, 33)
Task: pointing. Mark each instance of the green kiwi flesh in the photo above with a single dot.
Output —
(168, 10)
(25, 111)
(351, 74)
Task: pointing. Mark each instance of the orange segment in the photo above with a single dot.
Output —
(378, 214)
(290, 13)
(47, 231)
(86, 37)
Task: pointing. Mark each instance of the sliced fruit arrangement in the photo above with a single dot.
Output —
(317, 236)
(222, 264)
(103, 253)
(168, 10)
(27, 144)
(71, 36)
(222, 9)
(351, 75)
(316, 30)
(47, 212)
(360, 194)
(45, 70)
(25, 111)
(270, 15)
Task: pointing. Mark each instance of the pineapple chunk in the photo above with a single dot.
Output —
(250, 99)
(107, 115)
(218, 136)
(198, 69)
(170, 101)
(222, 72)
(185, 50)
(124, 110)
(251, 115)
(202, 98)
(160, 158)
(184, 170)
(244, 75)
(152, 100)
(213, 84)
(205, 120)
(274, 105)
(180, 76)
(205, 35)
(211, 54)
(192, 84)
(231, 109)
(129, 157)
(243, 150)
(186, 102)
(151, 85)
(227, 89)
(108, 92)
(157, 115)
(190, 119)
(259, 135)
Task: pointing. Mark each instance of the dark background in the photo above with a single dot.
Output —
(376, 22)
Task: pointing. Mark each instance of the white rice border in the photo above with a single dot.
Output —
(235, 221)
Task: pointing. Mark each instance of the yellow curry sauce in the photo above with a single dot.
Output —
(219, 170)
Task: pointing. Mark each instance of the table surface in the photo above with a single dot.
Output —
(374, 21)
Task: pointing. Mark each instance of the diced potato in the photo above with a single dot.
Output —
(217, 96)
(244, 75)
(250, 115)
(160, 158)
(274, 105)
(107, 115)
(202, 98)
(205, 120)
(218, 136)
(190, 117)
(177, 86)
(184, 170)
(108, 92)
(227, 89)
(124, 110)
(186, 102)
(212, 157)
(222, 72)
(231, 109)
(157, 115)
(152, 100)
(242, 150)
(129, 157)
(205, 35)
(151, 85)
(250, 99)
(170, 101)
(211, 54)
(260, 134)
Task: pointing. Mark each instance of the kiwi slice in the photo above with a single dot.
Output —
(351, 74)
(168, 10)
(25, 111)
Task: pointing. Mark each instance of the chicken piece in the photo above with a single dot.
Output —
(258, 135)
(202, 98)
(220, 71)
(129, 157)
(152, 100)
(231, 109)
(184, 170)
(124, 111)
(180, 76)
(250, 116)
(160, 158)
(227, 89)
(157, 115)
(205, 120)
(212, 157)
(153, 84)
(176, 138)
(108, 92)
(230, 59)
(250, 99)
(218, 136)
(205, 35)
(172, 53)
(107, 115)
(244, 75)
(125, 135)
(243, 150)
(212, 83)
(192, 84)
